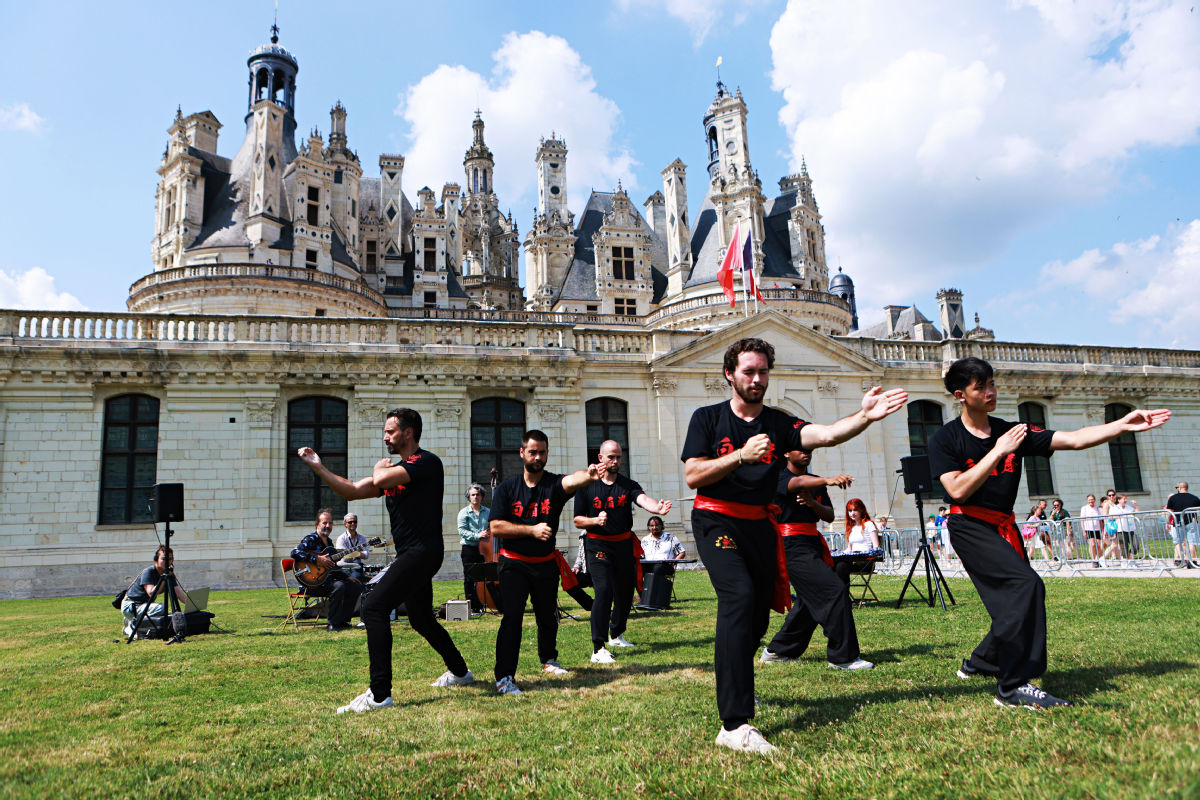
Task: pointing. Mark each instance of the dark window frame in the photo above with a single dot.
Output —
(622, 263)
(1038, 477)
(497, 419)
(605, 418)
(134, 506)
(304, 492)
(1122, 453)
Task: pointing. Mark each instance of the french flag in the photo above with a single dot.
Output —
(747, 262)
(731, 262)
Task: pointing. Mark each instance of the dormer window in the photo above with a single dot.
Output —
(314, 204)
(622, 260)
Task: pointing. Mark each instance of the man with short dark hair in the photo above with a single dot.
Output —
(732, 457)
(341, 589)
(604, 510)
(977, 458)
(524, 521)
(1184, 528)
(412, 491)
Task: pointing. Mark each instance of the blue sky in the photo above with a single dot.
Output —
(1039, 156)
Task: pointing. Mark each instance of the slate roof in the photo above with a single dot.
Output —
(580, 283)
(908, 319)
(707, 253)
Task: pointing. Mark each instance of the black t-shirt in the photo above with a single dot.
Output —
(1181, 501)
(515, 501)
(137, 592)
(715, 431)
(415, 508)
(617, 500)
(955, 449)
(792, 509)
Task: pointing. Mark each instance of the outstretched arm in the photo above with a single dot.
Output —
(876, 404)
(798, 482)
(653, 506)
(351, 490)
(584, 477)
(1134, 422)
(387, 475)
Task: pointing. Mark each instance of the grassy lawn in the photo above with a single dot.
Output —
(251, 714)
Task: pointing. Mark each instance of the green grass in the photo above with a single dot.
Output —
(250, 714)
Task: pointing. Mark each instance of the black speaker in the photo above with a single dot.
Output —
(917, 479)
(168, 502)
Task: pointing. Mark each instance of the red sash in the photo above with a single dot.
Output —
(806, 529)
(1006, 524)
(569, 581)
(638, 552)
(781, 596)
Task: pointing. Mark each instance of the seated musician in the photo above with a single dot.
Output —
(354, 564)
(341, 589)
(661, 546)
(145, 589)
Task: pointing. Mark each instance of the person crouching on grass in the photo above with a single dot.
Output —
(978, 457)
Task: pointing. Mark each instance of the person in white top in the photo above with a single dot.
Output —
(1090, 519)
(353, 564)
(862, 534)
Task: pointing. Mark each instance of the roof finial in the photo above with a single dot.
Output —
(275, 25)
(720, 86)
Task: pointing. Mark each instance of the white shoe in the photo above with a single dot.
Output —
(772, 658)
(127, 630)
(620, 641)
(746, 739)
(450, 679)
(552, 667)
(856, 664)
(506, 686)
(602, 656)
(365, 702)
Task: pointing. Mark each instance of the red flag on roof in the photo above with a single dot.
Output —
(732, 261)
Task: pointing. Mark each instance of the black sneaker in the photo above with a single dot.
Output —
(1030, 696)
(966, 671)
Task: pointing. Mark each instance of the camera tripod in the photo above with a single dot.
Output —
(166, 583)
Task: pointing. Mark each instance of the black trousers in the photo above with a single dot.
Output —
(740, 558)
(821, 599)
(343, 598)
(614, 575)
(408, 580)
(471, 555)
(538, 583)
(1014, 649)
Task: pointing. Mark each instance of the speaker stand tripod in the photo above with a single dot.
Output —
(166, 583)
(934, 580)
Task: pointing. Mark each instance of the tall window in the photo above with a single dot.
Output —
(314, 204)
(1037, 468)
(812, 244)
(319, 423)
(607, 418)
(129, 462)
(1122, 452)
(496, 428)
(372, 255)
(310, 259)
(170, 207)
(924, 419)
(625, 306)
(622, 258)
(430, 254)
(431, 299)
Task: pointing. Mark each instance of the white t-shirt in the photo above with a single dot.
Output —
(356, 541)
(1092, 524)
(663, 548)
(858, 540)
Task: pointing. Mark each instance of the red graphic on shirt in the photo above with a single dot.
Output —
(724, 447)
(546, 506)
(1010, 465)
(518, 509)
(597, 503)
(394, 491)
(798, 423)
(1036, 429)
(770, 455)
(414, 458)
(621, 501)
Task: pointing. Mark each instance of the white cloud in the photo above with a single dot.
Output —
(1142, 285)
(34, 289)
(698, 17)
(936, 132)
(539, 86)
(20, 117)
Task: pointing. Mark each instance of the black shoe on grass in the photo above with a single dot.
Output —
(1030, 696)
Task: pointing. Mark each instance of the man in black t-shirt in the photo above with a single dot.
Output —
(821, 596)
(1184, 528)
(605, 511)
(732, 458)
(524, 521)
(978, 459)
(412, 491)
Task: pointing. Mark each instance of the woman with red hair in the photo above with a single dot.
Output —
(862, 534)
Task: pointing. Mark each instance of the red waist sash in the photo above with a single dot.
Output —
(638, 552)
(781, 596)
(806, 529)
(1006, 524)
(566, 576)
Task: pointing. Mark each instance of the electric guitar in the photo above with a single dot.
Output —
(311, 574)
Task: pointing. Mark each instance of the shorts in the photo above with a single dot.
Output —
(1093, 535)
(1190, 532)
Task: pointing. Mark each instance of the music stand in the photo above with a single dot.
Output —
(917, 479)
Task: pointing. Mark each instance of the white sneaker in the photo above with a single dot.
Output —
(856, 664)
(506, 686)
(602, 656)
(365, 702)
(552, 667)
(620, 641)
(771, 658)
(450, 679)
(127, 630)
(746, 739)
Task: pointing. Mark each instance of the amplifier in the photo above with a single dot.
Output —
(458, 611)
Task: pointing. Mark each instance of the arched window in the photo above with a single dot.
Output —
(712, 143)
(475, 181)
(1037, 468)
(607, 418)
(496, 428)
(1122, 452)
(319, 423)
(924, 419)
(129, 463)
(484, 181)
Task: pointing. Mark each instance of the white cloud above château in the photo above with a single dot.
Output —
(20, 117)
(35, 289)
(939, 132)
(539, 85)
